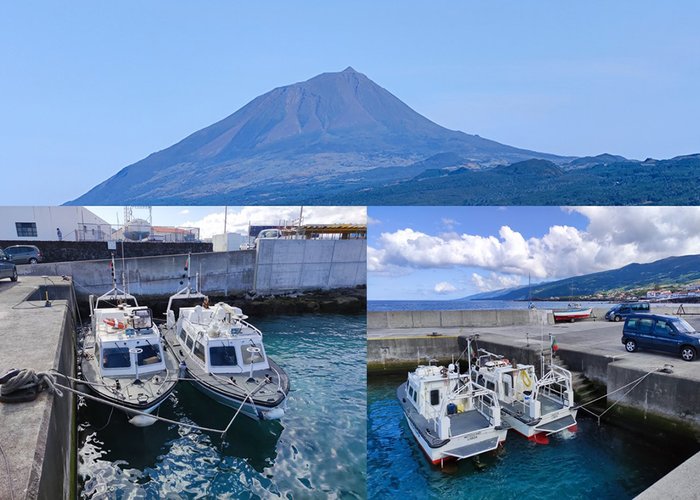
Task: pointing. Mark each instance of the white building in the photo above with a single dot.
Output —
(42, 223)
(228, 242)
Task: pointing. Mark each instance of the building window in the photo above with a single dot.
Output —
(26, 229)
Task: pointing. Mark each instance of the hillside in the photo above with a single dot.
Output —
(672, 270)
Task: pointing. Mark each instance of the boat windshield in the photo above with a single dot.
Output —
(116, 357)
(683, 326)
(149, 355)
(222, 355)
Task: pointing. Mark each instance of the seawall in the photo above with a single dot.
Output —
(276, 266)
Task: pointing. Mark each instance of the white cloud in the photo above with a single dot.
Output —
(614, 237)
(237, 220)
(184, 211)
(371, 220)
(449, 223)
(444, 288)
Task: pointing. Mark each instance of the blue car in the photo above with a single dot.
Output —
(661, 333)
(621, 311)
(7, 268)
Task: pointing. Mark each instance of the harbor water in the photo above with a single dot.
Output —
(318, 449)
(456, 305)
(594, 462)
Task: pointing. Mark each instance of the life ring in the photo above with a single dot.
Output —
(526, 378)
(114, 323)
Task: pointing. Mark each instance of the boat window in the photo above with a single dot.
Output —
(189, 342)
(414, 396)
(182, 334)
(116, 357)
(490, 385)
(149, 355)
(435, 397)
(222, 355)
(252, 353)
(142, 319)
(199, 350)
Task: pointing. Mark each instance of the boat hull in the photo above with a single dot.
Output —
(548, 424)
(572, 315)
(256, 412)
(456, 447)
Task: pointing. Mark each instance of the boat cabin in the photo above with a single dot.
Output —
(126, 342)
(441, 394)
(220, 340)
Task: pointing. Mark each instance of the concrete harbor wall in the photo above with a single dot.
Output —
(474, 318)
(447, 319)
(277, 266)
(38, 437)
(286, 265)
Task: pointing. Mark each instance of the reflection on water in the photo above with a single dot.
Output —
(317, 450)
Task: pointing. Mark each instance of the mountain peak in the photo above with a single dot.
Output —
(334, 124)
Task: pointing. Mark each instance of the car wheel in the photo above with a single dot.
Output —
(14, 274)
(617, 318)
(33, 260)
(687, 353)
(631, 346)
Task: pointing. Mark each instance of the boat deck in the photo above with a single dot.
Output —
(467, 421)
(549, 405)
(517, 412)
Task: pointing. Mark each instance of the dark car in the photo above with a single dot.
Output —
(621, 311)
(7, 268)
(24, 254)
(660, 332)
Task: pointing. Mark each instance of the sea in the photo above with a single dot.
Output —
(597, 461)
(318, 449)
(455, 305)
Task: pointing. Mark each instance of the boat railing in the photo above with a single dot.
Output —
(556, 385)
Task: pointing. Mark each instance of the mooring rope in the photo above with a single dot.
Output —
(634, 384)
(156, 417)
(19, 380)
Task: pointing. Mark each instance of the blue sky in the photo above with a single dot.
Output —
(90, 87)
(438, 253)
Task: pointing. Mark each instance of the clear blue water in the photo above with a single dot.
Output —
(452, 305)
(318, 450)
(595, 462)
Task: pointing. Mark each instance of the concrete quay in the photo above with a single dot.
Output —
(37, 437)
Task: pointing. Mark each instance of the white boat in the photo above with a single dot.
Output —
(534, 407)
(571, 313)
(450, 416)
(223, 356)
(122, 359)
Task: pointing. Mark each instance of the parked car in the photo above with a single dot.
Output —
(7, 268)
(660, 332)
(24, 254)
(621, 311)
(267, 234)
